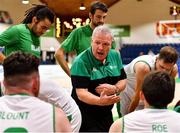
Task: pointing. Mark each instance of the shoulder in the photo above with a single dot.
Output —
(76, 32)
(83, 29)
(48, 83)
(114, 52)
(114, 56)
(141, 65)
(40, 105)
(2, 98)
(174, 71)
(79, 29)
(20, 27)
(117, 126)
(51, 90)
(133, 117)
(61, 121)
(13, 28)
(86, 27)
(50, 87)
(83, 56)
(82, 64)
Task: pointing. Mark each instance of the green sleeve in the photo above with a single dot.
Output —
(80, 76)
(79, 68)
(113, 45)
(120, 60)
(9, 36)
(71, 41)
(177, 109)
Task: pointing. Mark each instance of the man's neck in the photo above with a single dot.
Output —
(92, 26)
(29, 26)
(14, 91)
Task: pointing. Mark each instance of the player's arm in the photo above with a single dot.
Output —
(8, 37)
(59, 55)
(113, 89)
(87, 97)
(174, 71)
(121, 84)
(68, 45)
(2, 57)
(141, 69)
(116, 126)
(62, 123)
(53, 93)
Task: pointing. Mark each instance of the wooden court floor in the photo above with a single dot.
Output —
(55, 72)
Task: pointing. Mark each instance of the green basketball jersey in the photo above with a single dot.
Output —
(20, 38)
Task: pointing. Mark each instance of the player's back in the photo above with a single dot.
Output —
(23, 113)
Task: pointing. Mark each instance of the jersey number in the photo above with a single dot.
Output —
(15, 130)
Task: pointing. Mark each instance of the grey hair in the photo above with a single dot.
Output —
(103, 30)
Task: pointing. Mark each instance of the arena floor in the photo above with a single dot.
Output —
(55, 72)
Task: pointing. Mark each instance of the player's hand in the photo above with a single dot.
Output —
(107, 88)
(108, 100)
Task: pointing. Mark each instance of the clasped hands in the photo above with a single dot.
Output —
(107, 94)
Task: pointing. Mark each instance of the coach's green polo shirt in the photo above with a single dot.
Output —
(88, 72)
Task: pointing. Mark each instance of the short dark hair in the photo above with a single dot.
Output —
(158, 89)
(20, 63)
(41, 12)
(168, 54)
(98, 5)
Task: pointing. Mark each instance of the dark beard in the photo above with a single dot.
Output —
(34, 29)
(97, 24)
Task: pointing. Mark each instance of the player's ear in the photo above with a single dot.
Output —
(34, 19)
(36, 85)
(90, 16)
(141, 96)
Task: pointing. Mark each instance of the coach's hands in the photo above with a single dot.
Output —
(108, 100)
(107, 88)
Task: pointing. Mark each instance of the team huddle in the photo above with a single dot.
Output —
(31, 103)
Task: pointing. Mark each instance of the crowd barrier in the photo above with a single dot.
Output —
(131, 51)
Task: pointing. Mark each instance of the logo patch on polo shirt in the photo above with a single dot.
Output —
(112, 67)
(94, 69)
(35, 48)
